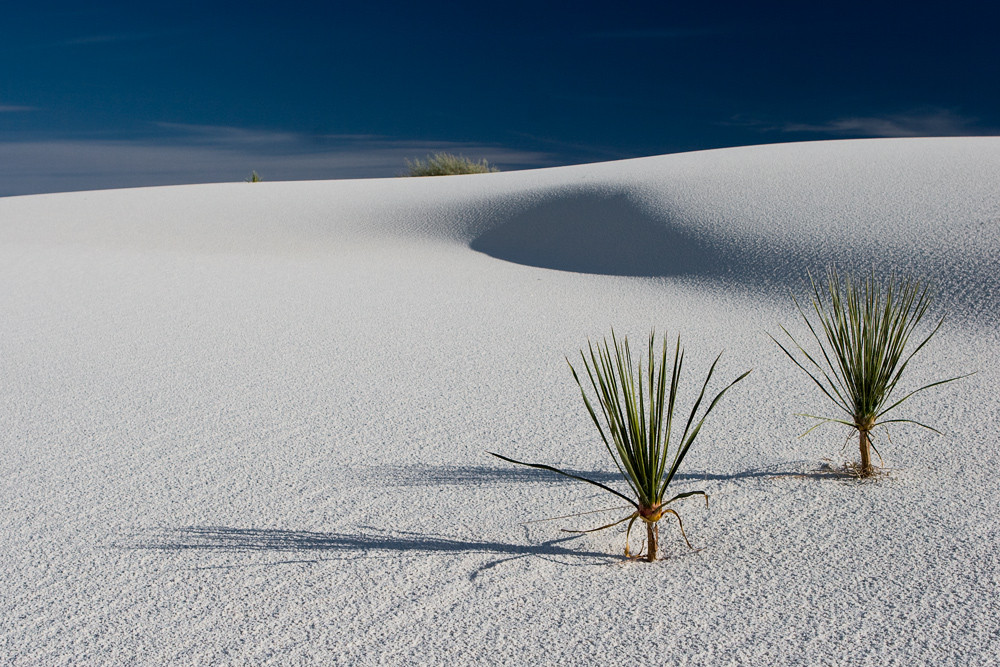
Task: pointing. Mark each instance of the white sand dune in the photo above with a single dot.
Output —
(247, 423)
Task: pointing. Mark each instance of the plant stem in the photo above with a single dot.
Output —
(866, 461)
(652, 540)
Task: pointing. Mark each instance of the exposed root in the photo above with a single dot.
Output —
(650, 518)
(854, 470)
(681, 524)
(851, 471)
(628, 532)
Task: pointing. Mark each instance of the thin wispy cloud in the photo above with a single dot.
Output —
(660, 33)
(13, 108)
(221, 135)
(89, 40)
(936, 123)
(210, 154)
(602, 152)
(270, 142)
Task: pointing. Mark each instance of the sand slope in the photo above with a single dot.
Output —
(247, 422)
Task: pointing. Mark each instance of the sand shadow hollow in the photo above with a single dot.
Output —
(598, 233)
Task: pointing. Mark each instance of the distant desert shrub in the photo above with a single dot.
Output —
(635, 415)
(861, 332)
(254, 177)
(446, 164)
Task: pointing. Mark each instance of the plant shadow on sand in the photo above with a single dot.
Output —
(429, 475)
(789, 470)
(349, 546)
(311, 547)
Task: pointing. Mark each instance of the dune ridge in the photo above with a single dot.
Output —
(756, 215)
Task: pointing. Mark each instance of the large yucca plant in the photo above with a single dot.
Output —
(862, 331)
(635, 420)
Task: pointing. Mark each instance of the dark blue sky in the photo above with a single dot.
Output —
(114, 94)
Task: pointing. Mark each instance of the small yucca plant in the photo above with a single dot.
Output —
(636, 421)
(446, 164)
(862, 331)
(254, 177)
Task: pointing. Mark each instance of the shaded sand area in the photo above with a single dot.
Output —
(247, 423)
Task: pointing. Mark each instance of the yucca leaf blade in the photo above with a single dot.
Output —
(542, 466)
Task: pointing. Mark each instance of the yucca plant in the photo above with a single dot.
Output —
(862, 331)
(635, 421)
(254, 177)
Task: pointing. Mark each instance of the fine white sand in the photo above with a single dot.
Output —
(248, 423)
